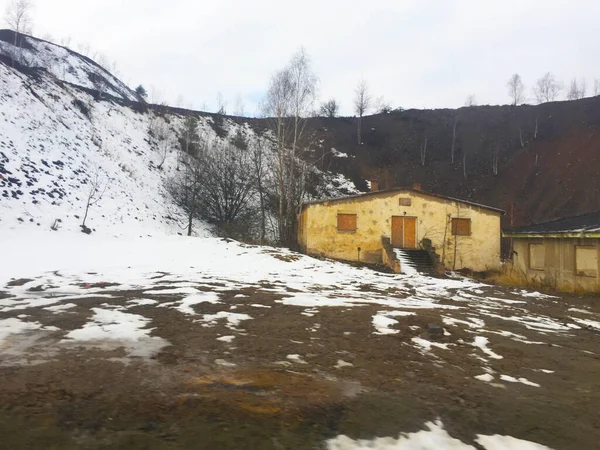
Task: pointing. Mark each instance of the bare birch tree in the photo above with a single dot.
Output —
(289, 101)
(546, 89)
(165, 139)
(260, 167)
(576, 89)
(516, 89)
(495, 159)
(362, 103)
(97, 185)
(221, 105)
(239, 106)
(18, 18)
(423, 152)
(453, 148)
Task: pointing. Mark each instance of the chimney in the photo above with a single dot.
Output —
(374, 185)
(417, 186)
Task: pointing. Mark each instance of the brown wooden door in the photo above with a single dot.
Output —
(404, 232)
(397, 231)
(410, 232)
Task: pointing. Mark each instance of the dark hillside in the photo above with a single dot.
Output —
(541, 174)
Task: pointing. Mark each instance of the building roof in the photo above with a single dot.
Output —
(416, 191)
(585, 224)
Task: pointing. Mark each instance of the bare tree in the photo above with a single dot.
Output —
(66, 41)
(277, 107)
(381, 106)
(516, 89)
(546, 89)
(362, 103)
(596, 86)
(289, 101)
(521, 138)
(184, 189)
(582, 88)
(221, 105)
(165, 140)
(97, 187)
(227, 188)
(18, 18)
(453, 148)
(100, 84)
(576, 89)
(471, 100)
(260, 166)
(423, 152)
(330, 108)
(495, 158)
(239, 106)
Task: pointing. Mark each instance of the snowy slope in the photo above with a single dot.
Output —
(56, 138)
(50, 150)
(64, 64)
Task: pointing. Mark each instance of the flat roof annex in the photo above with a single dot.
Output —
(396, 190)
(584, 225)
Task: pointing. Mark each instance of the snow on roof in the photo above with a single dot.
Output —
(585, 223)
(394, 190)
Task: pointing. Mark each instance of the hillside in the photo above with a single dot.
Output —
(64, 116)
(59, 132)
(553, 172)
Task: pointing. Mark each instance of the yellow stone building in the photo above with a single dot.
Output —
(360, 228)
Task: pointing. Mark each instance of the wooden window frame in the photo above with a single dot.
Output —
(405, 201)
(455, 221)
(347, 230)
(583, 275)
(529, 266)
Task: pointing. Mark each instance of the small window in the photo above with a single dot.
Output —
(346, 222)
(405, 201)
(537, 256)
(586, 261)
(461, 227)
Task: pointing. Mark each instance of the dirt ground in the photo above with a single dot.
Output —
(293, 377)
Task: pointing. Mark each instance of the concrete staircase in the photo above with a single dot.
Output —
(419, 260)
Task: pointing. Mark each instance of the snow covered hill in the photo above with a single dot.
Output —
(55, 138)
(58, 136)
(66, 65)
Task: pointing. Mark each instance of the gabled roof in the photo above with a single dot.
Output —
(394, 190)
(577, 226)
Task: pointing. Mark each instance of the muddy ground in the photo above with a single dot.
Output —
(292, 377)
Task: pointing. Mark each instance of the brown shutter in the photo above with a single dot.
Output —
(461, 227)
(346, 222)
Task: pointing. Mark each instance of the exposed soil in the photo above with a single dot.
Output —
(248, 393)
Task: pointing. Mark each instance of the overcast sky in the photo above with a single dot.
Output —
(416, 54)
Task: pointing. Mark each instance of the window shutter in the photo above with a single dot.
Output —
(346, 222)
(461, 227)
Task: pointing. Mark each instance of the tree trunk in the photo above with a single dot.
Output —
(453, 141)
(359, 130)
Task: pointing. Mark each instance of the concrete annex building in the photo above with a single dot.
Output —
(563, 254)
(356, 228)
